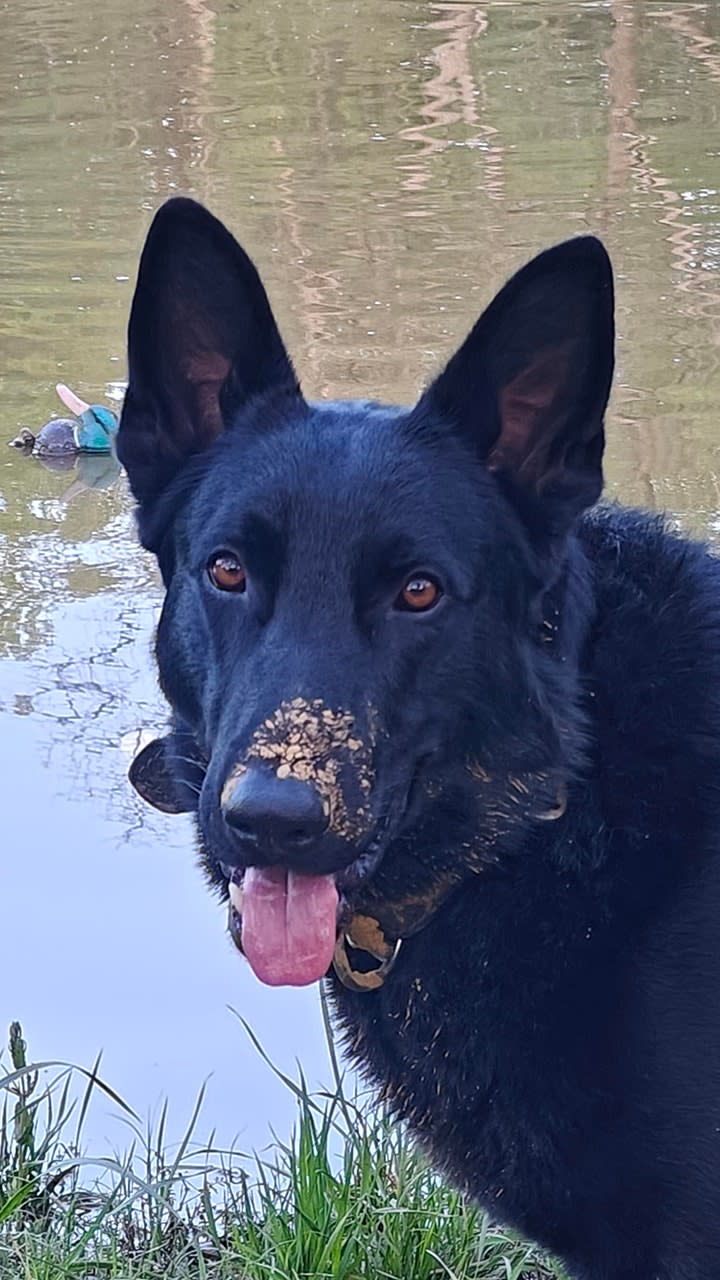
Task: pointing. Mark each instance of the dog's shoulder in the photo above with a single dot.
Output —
(653, 672)
(656, 592)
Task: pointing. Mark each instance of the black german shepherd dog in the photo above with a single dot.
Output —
(452, 735)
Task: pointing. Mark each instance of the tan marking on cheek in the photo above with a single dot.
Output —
(234, 776)
(505, 799)
(519, 786)
(312, 743)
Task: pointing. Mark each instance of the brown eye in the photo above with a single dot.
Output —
(419, 594)
(226, 572)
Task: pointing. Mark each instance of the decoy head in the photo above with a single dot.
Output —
(96, 425)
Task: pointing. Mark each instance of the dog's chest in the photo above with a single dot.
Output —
(461, 1043)
(437, 1075)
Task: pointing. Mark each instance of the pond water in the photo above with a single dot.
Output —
(387, 164)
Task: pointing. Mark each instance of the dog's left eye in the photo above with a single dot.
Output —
(419, 594)
(226, 572)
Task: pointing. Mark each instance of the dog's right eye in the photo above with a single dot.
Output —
(226, 572)
(419, 595)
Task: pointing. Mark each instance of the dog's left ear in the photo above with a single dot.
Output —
(202, 341)
(529, 386)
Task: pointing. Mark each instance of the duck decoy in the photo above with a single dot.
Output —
(92, 430)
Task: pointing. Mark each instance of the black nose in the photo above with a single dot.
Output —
(280, 814)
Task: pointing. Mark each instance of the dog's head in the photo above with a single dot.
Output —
(359, 596)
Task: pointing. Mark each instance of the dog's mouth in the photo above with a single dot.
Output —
(286, 922)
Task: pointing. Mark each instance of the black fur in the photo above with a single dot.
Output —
(553, 1034)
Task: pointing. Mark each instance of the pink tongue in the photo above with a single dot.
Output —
(288, 925)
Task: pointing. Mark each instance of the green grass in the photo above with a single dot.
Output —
(348, 1198)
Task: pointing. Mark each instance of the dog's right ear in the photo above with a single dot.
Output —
(169, 772)
(202, 342)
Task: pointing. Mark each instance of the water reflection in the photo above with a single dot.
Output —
(387, 165)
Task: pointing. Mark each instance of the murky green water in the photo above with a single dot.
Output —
(386, 163)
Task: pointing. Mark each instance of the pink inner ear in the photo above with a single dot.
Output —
(206, 371)
(525, 406)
